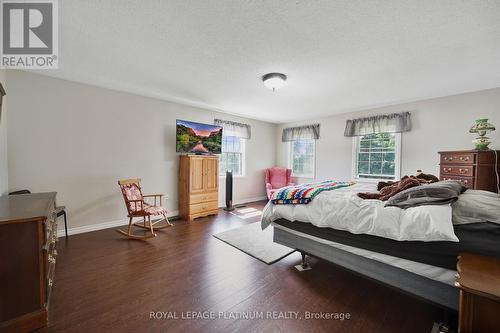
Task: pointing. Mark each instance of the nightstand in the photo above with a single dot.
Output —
(479, 283)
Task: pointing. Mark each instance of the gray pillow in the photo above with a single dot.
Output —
(439, 193)
(476, 206)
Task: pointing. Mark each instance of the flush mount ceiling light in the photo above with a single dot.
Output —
(274, 81)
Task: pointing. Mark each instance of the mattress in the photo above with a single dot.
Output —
(480, 238)
(439, 274)
(342, 209)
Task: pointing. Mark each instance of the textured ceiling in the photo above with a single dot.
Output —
(339, 55)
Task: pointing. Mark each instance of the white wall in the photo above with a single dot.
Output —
(79, 140)
(4, 179)
(438, 124)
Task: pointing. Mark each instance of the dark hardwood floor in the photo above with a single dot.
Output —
(105, 282)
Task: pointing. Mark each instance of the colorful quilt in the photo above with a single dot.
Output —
(304, 193)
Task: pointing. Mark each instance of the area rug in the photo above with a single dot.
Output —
(255, 242)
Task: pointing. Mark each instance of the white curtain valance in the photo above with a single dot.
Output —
(389, 123)
(301, 132)
(231, 128)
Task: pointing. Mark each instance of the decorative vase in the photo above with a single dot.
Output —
(482, 127)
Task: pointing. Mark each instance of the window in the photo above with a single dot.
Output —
(377, 156)
(232, 156)
(302, 157)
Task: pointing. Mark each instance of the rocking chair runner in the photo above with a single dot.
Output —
(137, 207)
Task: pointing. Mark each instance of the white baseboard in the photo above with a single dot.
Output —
(243, 201)
(118, 223)
(98, 226)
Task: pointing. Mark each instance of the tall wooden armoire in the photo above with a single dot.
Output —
(198, 186)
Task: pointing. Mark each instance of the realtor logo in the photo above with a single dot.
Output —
(29, 34)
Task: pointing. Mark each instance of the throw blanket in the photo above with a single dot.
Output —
(303, 194)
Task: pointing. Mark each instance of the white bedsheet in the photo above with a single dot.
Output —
(342, 209)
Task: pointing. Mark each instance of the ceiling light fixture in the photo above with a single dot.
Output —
(274, 81)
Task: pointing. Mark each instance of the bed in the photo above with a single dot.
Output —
(382, 243)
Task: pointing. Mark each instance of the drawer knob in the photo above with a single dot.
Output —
(447, 169)
(463, 170)
(464, 158)
(50, 282)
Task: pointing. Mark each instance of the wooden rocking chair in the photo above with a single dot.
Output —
(138, 208)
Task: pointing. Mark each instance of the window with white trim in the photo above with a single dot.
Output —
(377, 156)
(233, 155)
(302, 157)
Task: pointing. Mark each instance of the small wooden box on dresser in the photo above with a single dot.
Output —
(198, 186)
(474, 168)
(28, 235)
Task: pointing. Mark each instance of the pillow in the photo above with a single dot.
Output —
(475, 206)
(439, 193)
(277, 177)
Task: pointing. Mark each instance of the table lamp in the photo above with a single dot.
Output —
(482, 127)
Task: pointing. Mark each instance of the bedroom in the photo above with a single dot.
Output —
(127, 72)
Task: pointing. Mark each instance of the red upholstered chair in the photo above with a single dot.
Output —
(277, 178)
(137, 207)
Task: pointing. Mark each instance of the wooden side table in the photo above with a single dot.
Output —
(479, 283)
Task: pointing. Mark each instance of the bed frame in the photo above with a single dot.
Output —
(438, 293)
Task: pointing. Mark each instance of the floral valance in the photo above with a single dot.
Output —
(301, 132)
(231, 128)
(389, 123)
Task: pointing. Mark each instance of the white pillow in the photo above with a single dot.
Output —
(428, 223)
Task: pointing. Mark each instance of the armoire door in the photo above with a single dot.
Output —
(196, 169)
(211, 171)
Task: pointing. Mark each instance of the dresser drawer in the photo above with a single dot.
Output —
(461, 170)
(204, 197)
(458, 158)
(467, 181)
(203, 207)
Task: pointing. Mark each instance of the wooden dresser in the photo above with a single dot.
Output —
(474, 168)
(28, 235)
(198, 186)
(479, 282)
